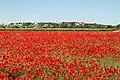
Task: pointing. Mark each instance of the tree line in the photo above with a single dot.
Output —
(56, 25)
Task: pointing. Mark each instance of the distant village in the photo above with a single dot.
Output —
(56, 25)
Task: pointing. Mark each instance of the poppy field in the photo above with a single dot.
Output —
(59, 55)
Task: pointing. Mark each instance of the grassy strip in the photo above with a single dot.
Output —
(58, 29)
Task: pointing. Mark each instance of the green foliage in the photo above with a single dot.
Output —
(21, 74)
(57, 25)
(118, 26)
(108, 61)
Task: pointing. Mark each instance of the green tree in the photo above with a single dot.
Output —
(118, 26)
(27, 24)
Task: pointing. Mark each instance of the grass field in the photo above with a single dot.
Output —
(58, 29)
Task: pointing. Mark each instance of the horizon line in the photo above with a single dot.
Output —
(57, 21)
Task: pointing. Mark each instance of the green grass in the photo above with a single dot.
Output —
(58, 29)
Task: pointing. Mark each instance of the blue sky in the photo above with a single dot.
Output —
(99, 11)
